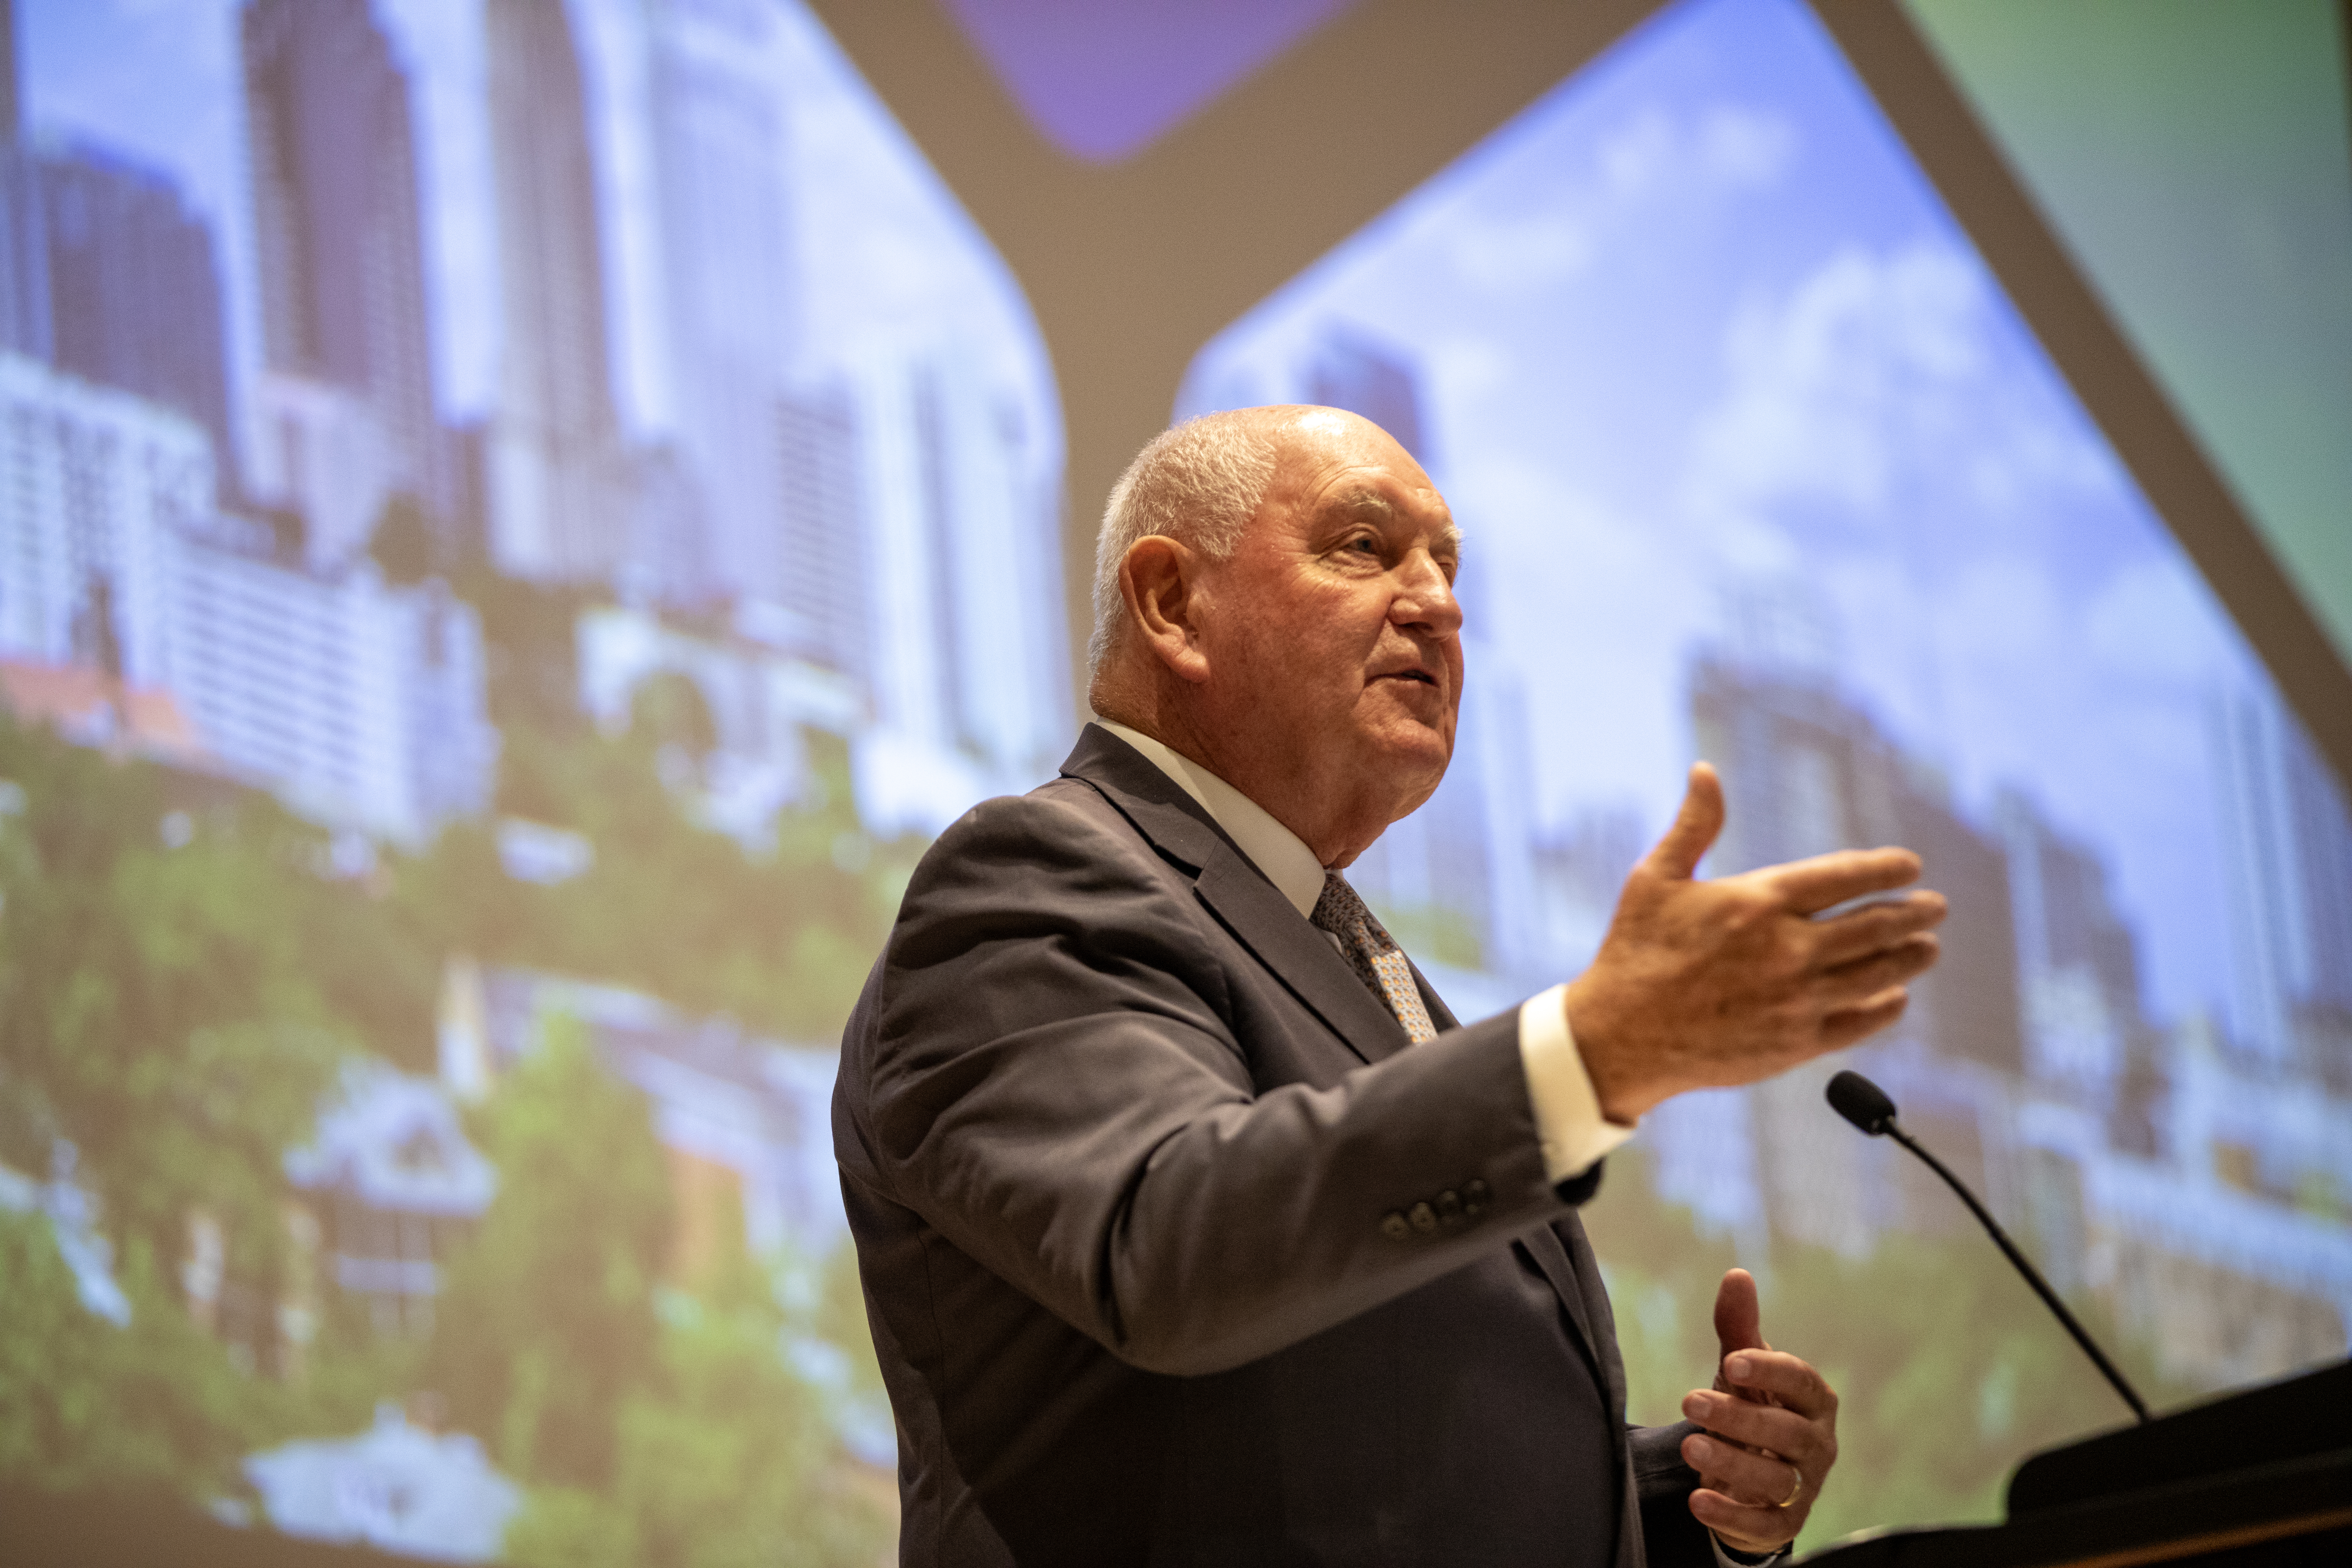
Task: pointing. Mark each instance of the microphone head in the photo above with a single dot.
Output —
(1862, 1103)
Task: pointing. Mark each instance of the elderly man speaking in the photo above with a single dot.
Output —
(1193, 1228)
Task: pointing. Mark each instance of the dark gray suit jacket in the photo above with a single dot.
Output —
(1174, 1253)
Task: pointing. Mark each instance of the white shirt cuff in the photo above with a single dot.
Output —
(1724, 1558)
(1569, 1123)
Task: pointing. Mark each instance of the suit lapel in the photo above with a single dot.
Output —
(1238, 894)
(1302, 957)
(1544, 1250)
(1600, 1324)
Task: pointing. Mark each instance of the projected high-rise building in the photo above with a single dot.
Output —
(380, 724)
(968, 672)
(726, 277)
(93, 482)
(108, 273)
(24, 257)
(134, 293)
(554, 507)
(340, 260)
(2289, 889)
(359, 702)
(2078, 962)
(828, 589)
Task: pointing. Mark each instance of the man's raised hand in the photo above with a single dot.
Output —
(1768, 1431)
(1704, 985)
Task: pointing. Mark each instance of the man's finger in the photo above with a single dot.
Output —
(1738, 1320)
(1782, 1433)
(1750, 1529)
(1854, 1024)
(1851, 984)
(1808, 887)
(1792, 1380)
(1701, 818)
(1738, 1474)
(1861, 932)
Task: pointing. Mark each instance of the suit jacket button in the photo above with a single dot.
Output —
(1475, 1195)
(1395, 1226)
(1424, 1219)
(1449, 1206)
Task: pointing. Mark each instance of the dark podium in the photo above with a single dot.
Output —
(2260, 1478)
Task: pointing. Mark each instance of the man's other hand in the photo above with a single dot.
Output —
(1704, 985)
(1770, 1432)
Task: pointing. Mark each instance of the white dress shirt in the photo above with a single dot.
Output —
(1573, 1132)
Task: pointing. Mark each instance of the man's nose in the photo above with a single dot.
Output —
(1424, 598)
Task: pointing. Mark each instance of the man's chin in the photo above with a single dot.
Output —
(1413, 757)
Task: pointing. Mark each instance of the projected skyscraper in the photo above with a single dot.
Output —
(2077, 959)
(134, 293)
(2290, 890)
(828, 590)
(554, 513)
(728, 282)
(348, 414)
(24, 261)
(93, 483)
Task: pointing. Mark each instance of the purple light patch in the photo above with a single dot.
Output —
(1103, 82)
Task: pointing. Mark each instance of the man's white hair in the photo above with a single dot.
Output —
(1198, 483)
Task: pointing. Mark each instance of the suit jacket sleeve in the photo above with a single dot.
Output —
(1058, 1084)
(1662, 1484)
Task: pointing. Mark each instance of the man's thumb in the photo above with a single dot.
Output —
(1739, 1321)
(1701, 818)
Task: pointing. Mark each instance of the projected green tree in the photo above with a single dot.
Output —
(548, 1316)
(776, 935)
(652, 1425)
(183, 976)
(178, 987)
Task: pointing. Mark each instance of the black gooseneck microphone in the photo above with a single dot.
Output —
(1865, 1105)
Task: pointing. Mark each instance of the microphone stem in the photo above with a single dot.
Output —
(2032, 1274)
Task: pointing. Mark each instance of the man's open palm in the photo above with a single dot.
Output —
(1712, 983)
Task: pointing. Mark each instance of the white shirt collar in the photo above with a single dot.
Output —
(1273, 848)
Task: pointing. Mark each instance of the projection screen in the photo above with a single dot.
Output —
(523, 518)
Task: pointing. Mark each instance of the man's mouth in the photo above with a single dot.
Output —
(1421, 676)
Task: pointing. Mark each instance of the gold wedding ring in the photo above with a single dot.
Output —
(1793, 1490)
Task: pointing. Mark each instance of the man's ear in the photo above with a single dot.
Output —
(1158, 579)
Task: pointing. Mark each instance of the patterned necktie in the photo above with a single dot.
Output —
(1379, 961)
